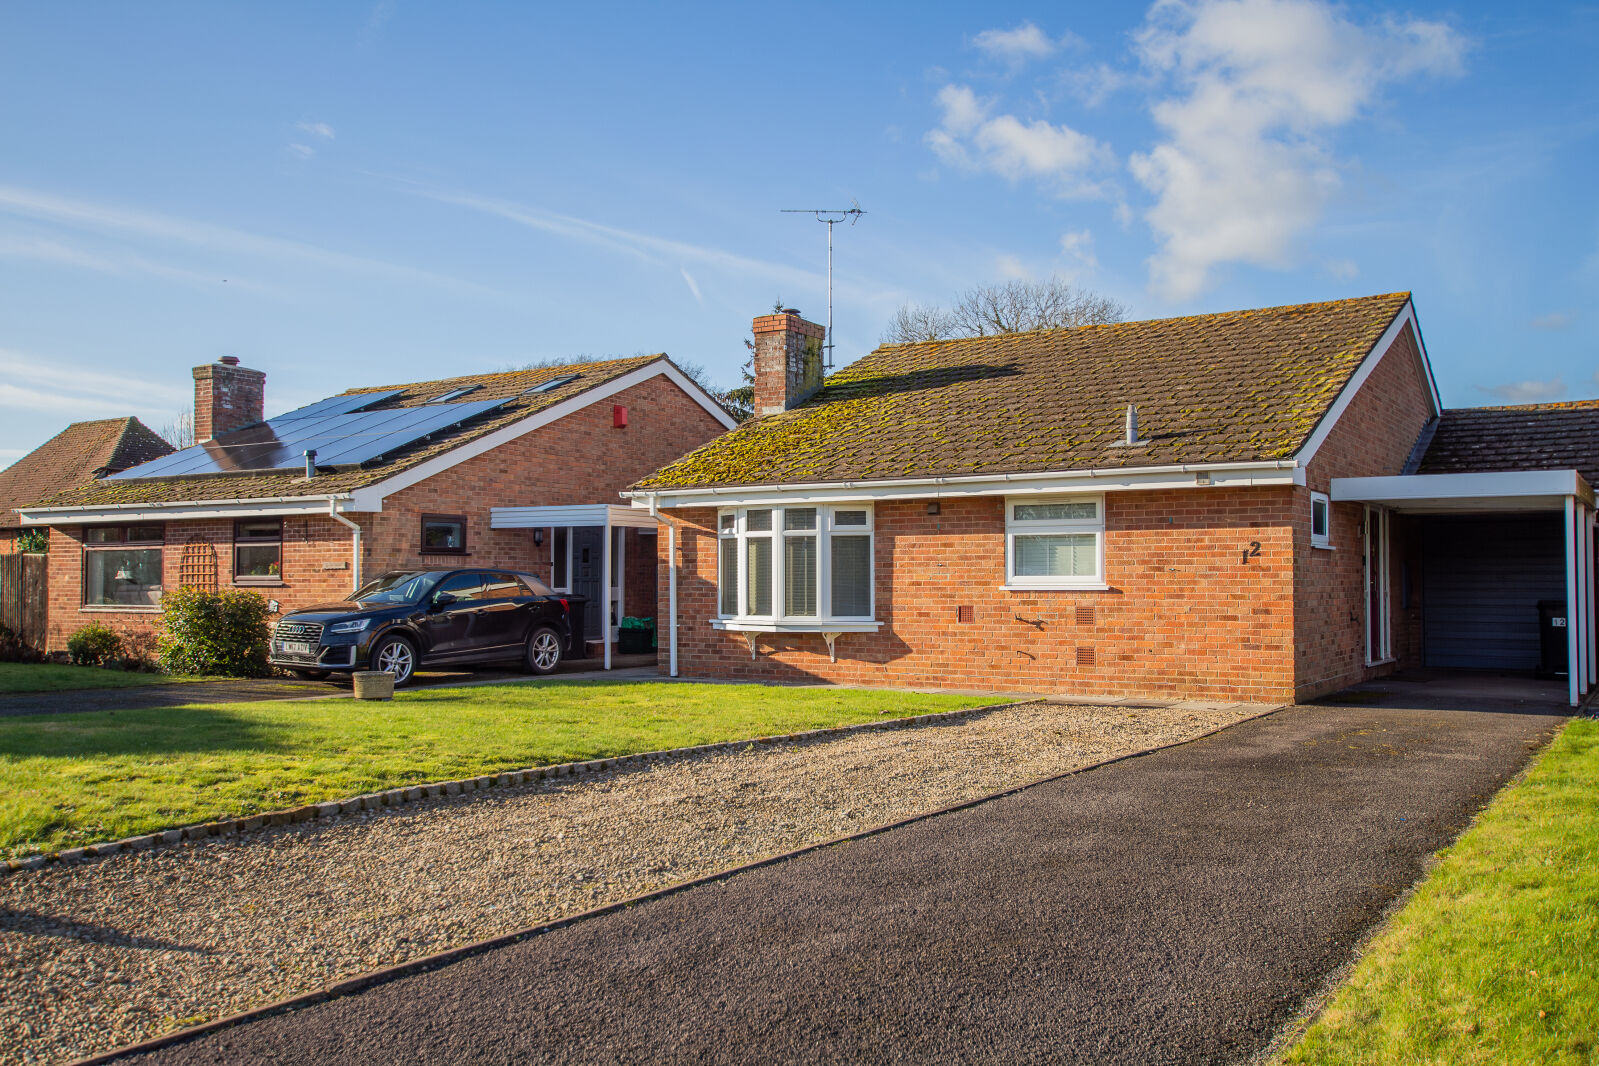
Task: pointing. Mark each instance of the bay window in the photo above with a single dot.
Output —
(1055, 542)
(122, 566)
(800, 564)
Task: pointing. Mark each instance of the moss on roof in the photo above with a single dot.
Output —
(279, 483)
(76, 456)
(1238, 386)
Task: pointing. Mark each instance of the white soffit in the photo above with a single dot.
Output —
(1513, 490)
(584, 514)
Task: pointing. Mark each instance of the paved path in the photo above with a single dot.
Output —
(1171, 908)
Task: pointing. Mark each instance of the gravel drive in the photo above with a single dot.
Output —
(1174, 909)
(120, 949)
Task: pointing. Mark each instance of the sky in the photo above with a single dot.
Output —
(364, 194)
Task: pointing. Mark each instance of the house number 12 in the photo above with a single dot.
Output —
(1251, 551)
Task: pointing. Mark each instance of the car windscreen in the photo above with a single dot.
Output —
(400, 587)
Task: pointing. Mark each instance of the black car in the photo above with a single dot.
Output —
(412, 618)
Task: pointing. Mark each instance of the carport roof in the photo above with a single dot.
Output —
(1542, 436)
(1504, 490)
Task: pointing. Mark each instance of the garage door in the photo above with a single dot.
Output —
(1482, 578)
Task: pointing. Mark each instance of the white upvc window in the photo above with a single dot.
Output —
(1055, 542)
(1320, 520)
(803, 565)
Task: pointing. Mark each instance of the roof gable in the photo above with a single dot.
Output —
(75, 457)
(1235, 387)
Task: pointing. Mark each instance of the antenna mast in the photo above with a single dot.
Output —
(831, 217)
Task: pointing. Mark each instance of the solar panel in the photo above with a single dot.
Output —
(343, 439)
(343, 405)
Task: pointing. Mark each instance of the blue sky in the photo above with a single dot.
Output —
(353, 194)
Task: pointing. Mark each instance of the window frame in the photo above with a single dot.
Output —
(1324, 538)
(256, 541)
(440, 519)
(122, 544)
(1055, 526)
(825, 529)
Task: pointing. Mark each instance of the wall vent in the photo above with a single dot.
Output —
(1085, 657)
(965, 613)
(1085, 614)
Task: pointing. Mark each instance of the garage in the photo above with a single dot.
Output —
(1482, 578)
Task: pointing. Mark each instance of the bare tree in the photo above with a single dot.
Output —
(179, 432)
(1009, 307)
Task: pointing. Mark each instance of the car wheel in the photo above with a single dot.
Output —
(394, 655)
(310, 675)
(543, 651)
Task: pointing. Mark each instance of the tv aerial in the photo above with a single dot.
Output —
(831, 216)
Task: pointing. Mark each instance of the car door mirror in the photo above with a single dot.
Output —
(442, 600)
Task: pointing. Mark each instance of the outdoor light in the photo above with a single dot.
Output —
(538, 537)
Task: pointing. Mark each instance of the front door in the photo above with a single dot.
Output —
(587, 544)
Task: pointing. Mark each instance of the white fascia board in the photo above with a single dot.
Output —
(1406, 316)
(1221, 475)
(173, 512)
(371, 497)
(585, 514)
(1506, 489)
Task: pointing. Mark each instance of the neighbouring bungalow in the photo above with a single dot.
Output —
(1265, 505)
(517, 470)
(81, 453)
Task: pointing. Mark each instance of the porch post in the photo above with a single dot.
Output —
(1573, 664)
(605, 589)
(671, 598)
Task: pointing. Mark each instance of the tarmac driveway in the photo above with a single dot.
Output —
(1171, 908)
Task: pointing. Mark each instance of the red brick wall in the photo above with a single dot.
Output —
(1184, 612)
(582, 458)
(1373, 438)
(8, 540)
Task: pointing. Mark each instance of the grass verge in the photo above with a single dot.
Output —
(54, 677)
(67, 780)
(1493, 960)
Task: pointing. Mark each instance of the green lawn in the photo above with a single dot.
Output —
(1496, 958)
(51, 677)
(75, 779)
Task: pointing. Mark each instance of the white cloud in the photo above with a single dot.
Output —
(302, 151)
(693, 286)
(1024, 42)
(124, 222)
(59, 253)
(1012, 268)
(316, 129)
(1257, 86)
(1527, 391)
(1059, 156)
(1554, 320)
(1079, 245)
(1343, 269)
(29, 382)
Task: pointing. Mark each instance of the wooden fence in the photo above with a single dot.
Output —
(24, 596)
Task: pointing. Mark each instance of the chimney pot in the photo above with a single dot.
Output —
(229, 360)
(788, 360)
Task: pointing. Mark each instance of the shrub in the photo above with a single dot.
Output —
(224, 633)
(95, 645)
(13, 650)
(33, 540)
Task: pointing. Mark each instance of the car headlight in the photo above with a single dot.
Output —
(350, 627)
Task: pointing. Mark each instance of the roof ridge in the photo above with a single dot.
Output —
(1548, 405)
(1212, 315)
(554, 370)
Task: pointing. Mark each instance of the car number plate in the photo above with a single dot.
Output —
(294, 647)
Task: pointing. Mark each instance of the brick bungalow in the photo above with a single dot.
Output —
(516, 470)
(78, 455)
(1251, 505)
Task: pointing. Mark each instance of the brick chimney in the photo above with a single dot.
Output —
(227, 396)
(788, 360)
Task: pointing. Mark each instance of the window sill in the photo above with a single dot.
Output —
(1381, 662)
(735, 625)
(259, 584)
(446, 552)
(1323, 547)
(118, 608)
(1054, 588)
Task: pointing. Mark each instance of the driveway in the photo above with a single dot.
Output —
(1172, 908)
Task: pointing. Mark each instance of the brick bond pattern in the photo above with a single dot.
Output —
(582, 458)
(1184, 612)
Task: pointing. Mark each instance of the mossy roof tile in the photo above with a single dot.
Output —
(1233, 387)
